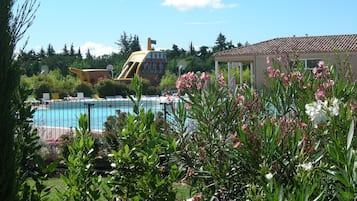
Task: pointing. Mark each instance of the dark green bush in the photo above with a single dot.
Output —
(66, 141)
(112, 88)
(42, 88)
(86, 88)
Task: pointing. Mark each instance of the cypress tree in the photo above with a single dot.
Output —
(12, 28)
(9, 79)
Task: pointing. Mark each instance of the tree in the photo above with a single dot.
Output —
(42, 53)
(221, 43)
(203, 53)
(79, 54)
(89, 57)
(192, 50)
(12, 28)
(71, 51)
(135, 44)
(50, 50)
(128, 44)
(65, 50)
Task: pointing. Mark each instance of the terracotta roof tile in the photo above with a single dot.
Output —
(307, 44)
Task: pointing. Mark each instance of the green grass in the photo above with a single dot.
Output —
(56, 184)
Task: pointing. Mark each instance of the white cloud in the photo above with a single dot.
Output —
(184, 5)
(97, 49)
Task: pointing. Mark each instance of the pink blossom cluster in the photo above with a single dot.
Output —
(190, 81)
(236, 141)
(221, 81)
(321, 70)
(287, 78)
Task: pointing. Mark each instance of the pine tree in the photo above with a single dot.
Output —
(135, 44)
(192, 49)
(65, 50)
(50, 50)
(89, 56)
(42, 54)
(79, 54)
(71, 51)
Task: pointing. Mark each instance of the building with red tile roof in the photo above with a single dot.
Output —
(308, 49)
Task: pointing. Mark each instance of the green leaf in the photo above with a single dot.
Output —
(126, 149)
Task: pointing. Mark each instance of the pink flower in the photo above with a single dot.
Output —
(328, 84)
(204, 76)
(315, 70)
(294, 74)
(321, 64)
(179, 84)
(220, 77)
(197, 197)
(222, 83)
(245, 127)
(237, 145)
(277, 73)
(270, 69)
(319, 94)
(303, 125)
(286, 80)
(240, 99)
(199, 85)
(326, 70)
(188, 85)
(268, 60)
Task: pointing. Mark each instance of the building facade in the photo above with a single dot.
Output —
(309, 50)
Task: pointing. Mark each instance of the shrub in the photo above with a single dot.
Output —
(142, 165)
(111, 88)
(42, 88)
(287, 142)
(168, 81)
(81, 180)
(86, 88)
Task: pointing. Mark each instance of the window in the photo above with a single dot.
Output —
(308, 64)
(311, 63)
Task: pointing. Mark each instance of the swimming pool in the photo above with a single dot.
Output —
(65, 114)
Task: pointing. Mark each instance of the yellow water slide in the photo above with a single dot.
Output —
(91, 75)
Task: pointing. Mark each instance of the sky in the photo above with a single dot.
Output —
(98, 25)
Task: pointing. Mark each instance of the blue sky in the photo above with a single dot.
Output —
(97, 25)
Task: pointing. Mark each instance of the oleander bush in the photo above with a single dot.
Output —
(293, 140)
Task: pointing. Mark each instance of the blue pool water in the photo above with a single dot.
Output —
(66, 113)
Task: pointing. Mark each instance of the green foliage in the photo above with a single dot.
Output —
(168, 81)
(111, 88)
(30, 163)
(86, 88)
(128, 44)
(82, 183)
(112, 129)
(53, 82)
(286, 143)
(149, 89)
(142, 165)
(66, 141)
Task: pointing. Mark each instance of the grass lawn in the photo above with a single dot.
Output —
(183, 192)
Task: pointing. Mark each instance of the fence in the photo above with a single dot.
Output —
(55, 118)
